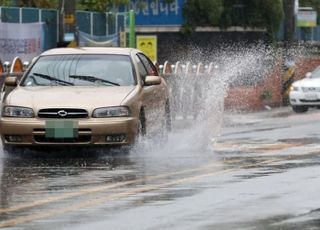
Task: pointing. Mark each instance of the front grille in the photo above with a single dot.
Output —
(304, 100)
(311, 89)
(79, 130)
(63, 113)
(85, 135)
(80, 139)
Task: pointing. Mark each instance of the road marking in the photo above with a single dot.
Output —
(267, 147)
(99, 201)
(101, 188)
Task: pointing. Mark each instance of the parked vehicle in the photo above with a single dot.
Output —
(305, 93)
(85, 96)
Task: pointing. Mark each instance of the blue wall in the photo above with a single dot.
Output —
(156, 12)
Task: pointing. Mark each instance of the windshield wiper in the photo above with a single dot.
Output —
(93, 79)
(47, 77)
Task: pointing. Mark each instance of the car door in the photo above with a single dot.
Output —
(154, 97)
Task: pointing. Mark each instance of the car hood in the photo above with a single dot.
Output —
(68, 97)
(307, 82)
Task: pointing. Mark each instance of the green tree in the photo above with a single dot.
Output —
(38, 3)
(5, 2)
(105, 5)
(30, 3)
(311, 3)
(99, 5)
(246, 13)
(201, 13)
(253, 13)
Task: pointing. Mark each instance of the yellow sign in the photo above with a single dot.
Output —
(148, 45)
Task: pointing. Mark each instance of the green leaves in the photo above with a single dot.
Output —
(311, 3)
(225, 13)
(202, 13)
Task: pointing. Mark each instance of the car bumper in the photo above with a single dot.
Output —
(302, 98)
(94, 131)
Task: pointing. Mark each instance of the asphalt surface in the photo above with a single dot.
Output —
(262, 172)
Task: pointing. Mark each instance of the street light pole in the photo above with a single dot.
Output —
(289, 22)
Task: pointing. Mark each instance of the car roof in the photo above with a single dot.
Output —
(89, 50)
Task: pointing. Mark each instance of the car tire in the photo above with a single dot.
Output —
(142, 125)
(300, 109)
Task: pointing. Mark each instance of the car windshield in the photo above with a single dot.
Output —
(81, 70)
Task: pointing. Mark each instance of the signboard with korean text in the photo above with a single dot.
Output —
(307, 18)
(148, 45)
(24, 40)
(157, 12)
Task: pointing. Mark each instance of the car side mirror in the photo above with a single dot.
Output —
(152, 80)
(11, 81)
(308, 75)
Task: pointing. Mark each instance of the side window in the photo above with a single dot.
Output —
(142, 70)
(152, 70)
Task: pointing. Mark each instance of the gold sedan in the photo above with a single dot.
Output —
(85, 96)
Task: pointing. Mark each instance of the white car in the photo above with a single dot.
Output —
(305, 93)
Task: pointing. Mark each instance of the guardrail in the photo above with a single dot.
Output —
(14, 68)
(187, 83)
(1, 67)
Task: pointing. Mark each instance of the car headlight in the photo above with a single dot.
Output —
(119, 111)
(17, 111)
(294, 88)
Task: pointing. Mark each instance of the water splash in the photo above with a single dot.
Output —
(197, 101)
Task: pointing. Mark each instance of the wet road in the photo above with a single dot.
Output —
(261, 173)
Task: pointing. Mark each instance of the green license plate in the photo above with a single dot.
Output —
(62, 129)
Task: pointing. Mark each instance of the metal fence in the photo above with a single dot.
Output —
(93, 23)
(100, 24)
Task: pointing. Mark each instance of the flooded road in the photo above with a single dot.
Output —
(262, 172)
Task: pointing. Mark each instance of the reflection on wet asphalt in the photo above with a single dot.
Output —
(255, 177)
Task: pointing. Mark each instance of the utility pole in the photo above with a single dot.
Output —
(287, 58)
(67, 19)
(61, 22)
(289, 22)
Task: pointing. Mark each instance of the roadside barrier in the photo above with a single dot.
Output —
(16, 66)
(174, 86)
(186, 81)
(210, 69)
(200, 84)
(1, 67)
